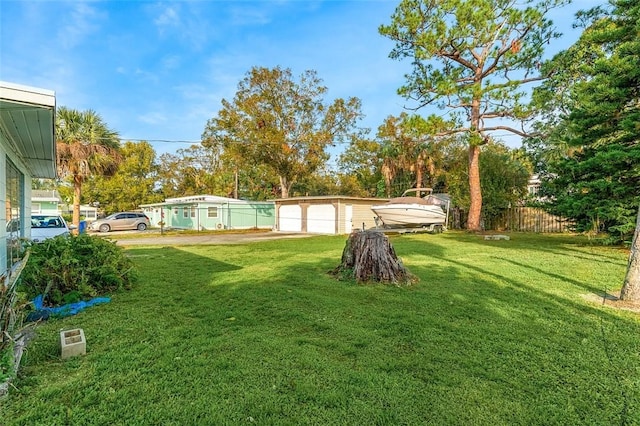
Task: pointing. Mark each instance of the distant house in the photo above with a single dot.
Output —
(211, 212)
(533, 186)
(87, 212)
(44, 202)
(50, 202)
(325, 214)
(27, 150)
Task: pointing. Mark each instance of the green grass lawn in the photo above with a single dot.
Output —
(495, 333)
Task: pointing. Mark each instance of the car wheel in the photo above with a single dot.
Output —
(142, 227)
(105, 228)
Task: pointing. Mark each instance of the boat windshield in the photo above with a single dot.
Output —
(417, 192)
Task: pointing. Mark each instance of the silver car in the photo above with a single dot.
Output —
(121, 221)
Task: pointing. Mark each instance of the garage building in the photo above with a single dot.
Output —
(325, 214)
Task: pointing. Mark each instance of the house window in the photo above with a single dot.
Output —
(185, 212)
(36, 208)
(212, 212)
(14, 205)
(193, 211)
(175, 211)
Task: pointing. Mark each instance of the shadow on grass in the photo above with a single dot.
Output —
(466, 272)
(262, 332)
(561, 244)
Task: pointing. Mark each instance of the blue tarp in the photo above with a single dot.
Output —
(70, 309)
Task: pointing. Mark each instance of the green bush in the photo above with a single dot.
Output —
(6, 363)
(69, 269)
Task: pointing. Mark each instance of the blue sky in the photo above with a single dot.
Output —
(158, 70)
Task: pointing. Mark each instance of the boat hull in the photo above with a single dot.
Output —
(410, 215)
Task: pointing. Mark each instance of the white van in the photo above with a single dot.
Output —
(47, 226)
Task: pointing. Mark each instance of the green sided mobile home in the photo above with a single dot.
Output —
(44, 202)
(211, 212)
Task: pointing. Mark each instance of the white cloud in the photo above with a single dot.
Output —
(242, 15)
(146, 75)
(171, 62)
(187, 22)
(83, 20)
(169, 18)
(153, 117)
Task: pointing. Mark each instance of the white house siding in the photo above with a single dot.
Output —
(364, 216)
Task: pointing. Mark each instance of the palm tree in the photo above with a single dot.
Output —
(407, 147)
(85, 147)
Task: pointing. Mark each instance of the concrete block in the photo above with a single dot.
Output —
(496, 237)
(72, 343)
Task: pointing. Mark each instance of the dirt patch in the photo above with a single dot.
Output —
(612, 300)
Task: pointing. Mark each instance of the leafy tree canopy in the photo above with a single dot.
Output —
(505, 174)
(282, 123)
(592, 156)
(361, 164)
(137, 174)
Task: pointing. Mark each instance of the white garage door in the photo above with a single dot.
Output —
(321, 219)
(290, 218)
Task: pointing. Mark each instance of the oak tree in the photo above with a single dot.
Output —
(283, 123)
(360, 165)
(133, 185)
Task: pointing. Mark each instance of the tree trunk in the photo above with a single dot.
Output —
(77, 193)
(431, 169)
(631, 288)
(284, 187)
(419, 177)
(475, 193)
(368, 256)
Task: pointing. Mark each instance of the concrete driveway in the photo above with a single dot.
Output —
(153, 238)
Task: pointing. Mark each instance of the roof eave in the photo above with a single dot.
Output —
(28, 119)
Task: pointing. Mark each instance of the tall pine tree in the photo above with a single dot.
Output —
(596, 180)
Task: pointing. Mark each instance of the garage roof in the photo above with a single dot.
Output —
(329, 198)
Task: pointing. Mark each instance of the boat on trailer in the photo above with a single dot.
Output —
(416, 209)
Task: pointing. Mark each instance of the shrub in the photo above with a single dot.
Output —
(6, 363)
(69, 269)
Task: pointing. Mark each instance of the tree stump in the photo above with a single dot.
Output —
(368, 256)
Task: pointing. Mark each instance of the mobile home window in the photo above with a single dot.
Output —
(185, 212)
(14, 205)
(212, 212)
